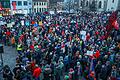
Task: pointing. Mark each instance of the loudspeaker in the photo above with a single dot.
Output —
(1, 48)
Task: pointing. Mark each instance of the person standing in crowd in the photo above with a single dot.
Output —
(63, 47)
(47, 72)
(98, 70)
(36, 72)
(19, 49)
(7, 73)
(13, 41)
(113, 73)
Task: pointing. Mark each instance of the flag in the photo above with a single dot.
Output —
(112, 23)
(115, 25)
(97, 54)
(113, 17)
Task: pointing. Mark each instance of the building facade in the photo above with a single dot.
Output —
(40, 5)
(60, 6)
(56, 5)
(118, 5)
(99, 5)
(112, 5)
(21, 6)
(5, 7)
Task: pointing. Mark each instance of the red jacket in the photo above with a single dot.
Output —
(37, 71)
(8, 33)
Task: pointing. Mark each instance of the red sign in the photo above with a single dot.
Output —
(14, 5)
(1, 6)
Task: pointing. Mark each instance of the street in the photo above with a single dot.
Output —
(9, 57)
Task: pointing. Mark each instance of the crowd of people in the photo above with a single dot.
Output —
(62, 47)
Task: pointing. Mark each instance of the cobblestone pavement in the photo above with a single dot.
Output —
(9, 57)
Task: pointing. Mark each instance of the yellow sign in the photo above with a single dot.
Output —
(40, 23)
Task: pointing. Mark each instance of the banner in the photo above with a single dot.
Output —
(14, 5)
(22, 22)
(89, 53)
(9, 25)
(1, 6)
(83, 35)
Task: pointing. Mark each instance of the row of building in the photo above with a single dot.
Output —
(98, 5)
(28, 6)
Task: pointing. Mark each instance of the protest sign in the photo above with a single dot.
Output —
(22, 22)
(9, 25)
(83, 35)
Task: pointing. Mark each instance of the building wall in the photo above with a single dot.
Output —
(21, 7)
(40, 6)
(112, 5)
(106, 5)
(100, 5)
(118, 8)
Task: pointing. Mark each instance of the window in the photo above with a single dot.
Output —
(112, 8)
(37, 10)
(8, 5)
(25, 3)
(34, 3)
(44, 9)
(112, 1)
(19, 3)
(44, 3)
(40, 3)
(30, 11)
(100, 4)
(5, 4)
(87, 3)
(30, 3)
(81, 3)
(40, 9)
(37, 3)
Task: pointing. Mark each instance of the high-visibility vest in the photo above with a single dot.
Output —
(19, 47)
